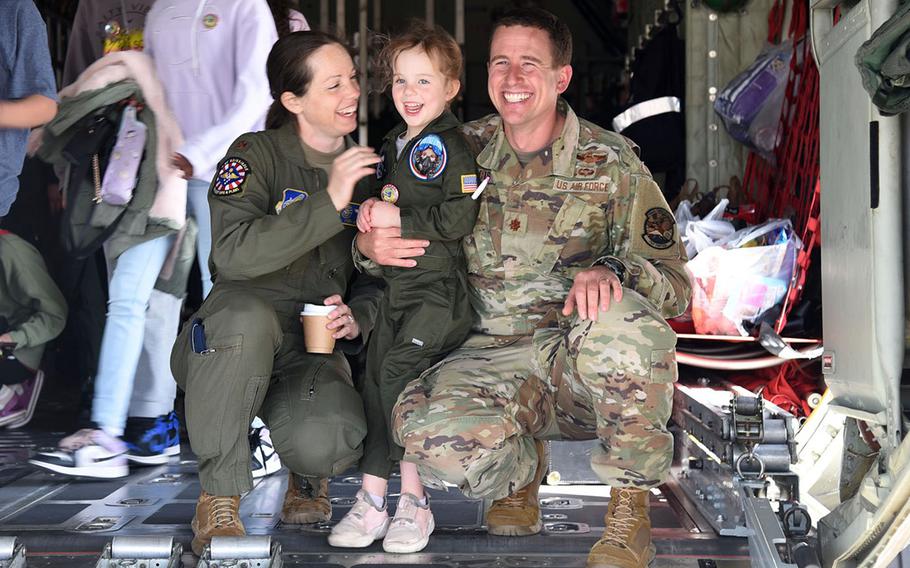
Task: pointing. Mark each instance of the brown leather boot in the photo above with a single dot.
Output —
(626, 542)
(215, 516)
(306, 502)
(519, 513)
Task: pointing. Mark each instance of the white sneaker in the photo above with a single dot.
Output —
(87, 453)
(411, 528)
(362, 525)
(264, 459)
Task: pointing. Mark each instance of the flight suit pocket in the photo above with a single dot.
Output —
(213, 391)
(310, 382)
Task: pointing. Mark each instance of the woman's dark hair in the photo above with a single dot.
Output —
(281, 10)
(288, 70)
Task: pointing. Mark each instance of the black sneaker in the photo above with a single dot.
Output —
(152, 441)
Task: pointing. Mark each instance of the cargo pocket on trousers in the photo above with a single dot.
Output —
(663, 366)
(211, 393)
(655, 399)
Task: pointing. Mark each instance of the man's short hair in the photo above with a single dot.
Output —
(560, 36)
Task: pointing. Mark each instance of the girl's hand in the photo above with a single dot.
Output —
(385, 215)
(364, 216)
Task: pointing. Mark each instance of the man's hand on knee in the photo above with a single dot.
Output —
(386, 247)
(591, 291)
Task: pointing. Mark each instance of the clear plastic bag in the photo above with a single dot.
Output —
(742, 277)
(750, 105)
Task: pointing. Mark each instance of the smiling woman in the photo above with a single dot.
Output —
(282, 224)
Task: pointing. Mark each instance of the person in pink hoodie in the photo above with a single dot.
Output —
(210, 55)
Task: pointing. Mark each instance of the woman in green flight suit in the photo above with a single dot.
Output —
(283, 215)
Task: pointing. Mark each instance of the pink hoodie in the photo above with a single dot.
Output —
(210, 56)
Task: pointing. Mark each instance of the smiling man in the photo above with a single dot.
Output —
(571, 291)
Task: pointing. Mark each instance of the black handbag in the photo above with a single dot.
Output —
(87, 221)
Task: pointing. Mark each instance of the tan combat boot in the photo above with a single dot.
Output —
(215, 516)
(306, 503)
(519, 513)
(626, 542)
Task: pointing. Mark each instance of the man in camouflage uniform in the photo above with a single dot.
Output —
(570, 220)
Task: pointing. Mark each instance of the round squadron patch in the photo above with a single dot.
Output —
(210, 21)
(380, 167)
(389, 193)
(659, 228)
(231, 176)
(428, 157)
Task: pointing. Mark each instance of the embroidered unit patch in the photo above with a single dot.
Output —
(428, 157)
(289, 196)
(231, 176)
(389, 193)
(349, 214)
(659, 228)
(468, 183)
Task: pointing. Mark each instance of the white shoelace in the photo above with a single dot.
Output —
(620, 523)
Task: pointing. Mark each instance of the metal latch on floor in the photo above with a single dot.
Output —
(141, 552)
(12, 552)
(241, 552)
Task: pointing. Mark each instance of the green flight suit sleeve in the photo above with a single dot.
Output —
(651, 251)
(249, 239)
(31, 286)
(455, 216)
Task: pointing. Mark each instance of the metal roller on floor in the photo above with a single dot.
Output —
(12, 552)
(254, 551)
(133, 551)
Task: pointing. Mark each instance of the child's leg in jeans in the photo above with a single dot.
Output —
(131, 285)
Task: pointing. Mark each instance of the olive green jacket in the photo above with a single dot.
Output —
(439, 208)
(276, 233)
(29, 299)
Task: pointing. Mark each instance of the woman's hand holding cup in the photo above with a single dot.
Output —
(342, 319)
(322, 325)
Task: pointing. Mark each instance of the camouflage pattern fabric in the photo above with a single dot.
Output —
(529, 372)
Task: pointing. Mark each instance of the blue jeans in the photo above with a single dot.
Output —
(197, 193)
(131, 284)
(154, 388)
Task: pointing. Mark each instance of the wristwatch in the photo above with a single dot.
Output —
(618, 268)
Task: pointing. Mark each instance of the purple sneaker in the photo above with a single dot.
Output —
(21, 407)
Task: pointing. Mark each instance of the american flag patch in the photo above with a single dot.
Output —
(468, 183)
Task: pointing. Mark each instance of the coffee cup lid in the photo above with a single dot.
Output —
(316, 310)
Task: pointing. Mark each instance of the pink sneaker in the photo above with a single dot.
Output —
(411, 528)
(19, 410)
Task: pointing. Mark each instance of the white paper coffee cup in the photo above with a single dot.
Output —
(318, 339)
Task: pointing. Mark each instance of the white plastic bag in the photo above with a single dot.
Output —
(742, 277)
(699, 234)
